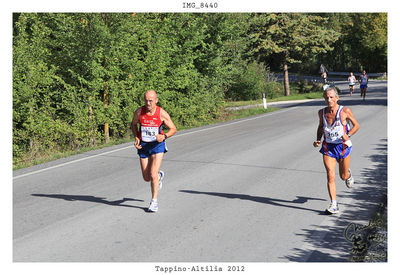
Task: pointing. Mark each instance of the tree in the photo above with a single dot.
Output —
(362, 43)
(369, 40)
(292, 37)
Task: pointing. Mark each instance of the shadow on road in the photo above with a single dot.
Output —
(376, 96)
(346, 101)
(91, 199)
(271, 201)
(328, 242)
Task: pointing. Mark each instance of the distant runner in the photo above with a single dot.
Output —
(150, 142)
(352, 81)
(333, 125)
(363, 80)
(324, 77)
(324, 73)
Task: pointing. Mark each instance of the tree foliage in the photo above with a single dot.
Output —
(292, 37)
(361, 45)
(78, 77)
(76, 74)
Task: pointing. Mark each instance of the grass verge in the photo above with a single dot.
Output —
(313, 95)
(50, 156)
(225, 116)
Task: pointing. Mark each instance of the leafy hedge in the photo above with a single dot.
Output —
(73, 73)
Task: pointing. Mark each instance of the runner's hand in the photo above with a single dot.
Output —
(137, 143)
(160, 138)
(317, 143)
(345, 137)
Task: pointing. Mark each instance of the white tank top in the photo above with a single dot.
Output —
(352, 80)
(333, 133)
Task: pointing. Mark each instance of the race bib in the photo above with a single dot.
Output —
(334, 134)
(149, 133)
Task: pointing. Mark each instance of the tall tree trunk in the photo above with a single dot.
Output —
(286, 78)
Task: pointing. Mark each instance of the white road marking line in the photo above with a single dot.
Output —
(69, 162)
(130, 146)
(235, 122)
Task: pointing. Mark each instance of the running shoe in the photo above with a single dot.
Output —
(160, 178)
(350, 181)
(153, 206)
(333, 209)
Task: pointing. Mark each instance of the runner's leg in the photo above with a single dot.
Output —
(330, 166)
(344, 165)
(363, 92)
(155, 164)
(144, 164)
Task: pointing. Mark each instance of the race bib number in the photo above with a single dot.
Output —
(149, 134)
(333, 136)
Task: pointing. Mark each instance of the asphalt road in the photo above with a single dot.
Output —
(251, 190)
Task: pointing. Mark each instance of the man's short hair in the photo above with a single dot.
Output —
(331, 89)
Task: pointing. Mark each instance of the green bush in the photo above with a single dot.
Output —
(73, 73)
(252, 82)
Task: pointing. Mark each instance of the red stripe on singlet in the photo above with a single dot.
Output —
(343, 145)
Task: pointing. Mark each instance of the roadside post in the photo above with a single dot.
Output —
(264, 101)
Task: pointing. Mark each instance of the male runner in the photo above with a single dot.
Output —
(352, 81)
(150, 142)
(363, 80)
(333, 125)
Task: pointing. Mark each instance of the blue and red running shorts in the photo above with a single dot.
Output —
(151, 148)
(335, 150)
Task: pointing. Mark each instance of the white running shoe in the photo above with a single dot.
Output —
(333, 209)
(350, 181)
(160, 178)
(153, 206)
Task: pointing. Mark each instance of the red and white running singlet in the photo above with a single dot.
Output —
(150, 126)
(333, 133)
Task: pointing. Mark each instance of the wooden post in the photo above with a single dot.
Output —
(106, 126)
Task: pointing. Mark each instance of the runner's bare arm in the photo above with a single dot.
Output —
(134, 127)
(169, 123)
(349, 116)
(320, 130)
